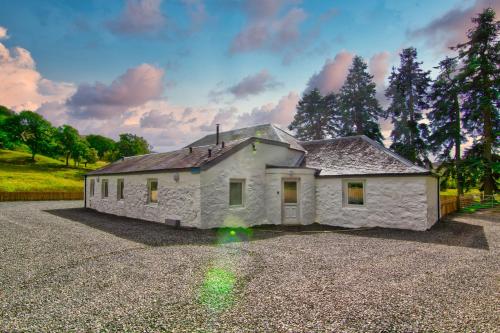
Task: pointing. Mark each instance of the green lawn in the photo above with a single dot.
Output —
(19, 173)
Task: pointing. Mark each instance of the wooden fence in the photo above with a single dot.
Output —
(448, 204)
(36, 196)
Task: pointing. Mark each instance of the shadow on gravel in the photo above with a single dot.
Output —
(155, 234)
(450, 233)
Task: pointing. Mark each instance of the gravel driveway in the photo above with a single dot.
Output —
(64, 268)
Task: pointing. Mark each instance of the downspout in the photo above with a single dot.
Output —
(85, 191)
(439, 203)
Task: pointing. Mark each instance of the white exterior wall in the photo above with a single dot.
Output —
(432, 201)
(306, 194)
(250, 166)
(176, 200)
(391, 202)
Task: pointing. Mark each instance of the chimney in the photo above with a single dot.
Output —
(190, 150)
(210, 153)
(217, 134)
(223, 144)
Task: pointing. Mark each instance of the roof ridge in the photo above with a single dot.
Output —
(331, 139)
(391, 153)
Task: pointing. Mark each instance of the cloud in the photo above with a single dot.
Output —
(156, 119)
(138, 17)
(451, 28)
(254, 84)
(22, 87)
(281, 113)
(379, 65)
(135, 87)
(266, 28)
(3, 33)
(331, 77)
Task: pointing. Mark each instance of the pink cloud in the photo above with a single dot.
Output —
(281, 113)
(3, 33)
(135, 87)
(379, 65)
(267, 29)
(138, 17)
(254, 84)
(451, 28)
(332, 76)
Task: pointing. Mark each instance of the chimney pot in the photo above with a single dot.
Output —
(190, 150)
(223, 144)
(210, 153)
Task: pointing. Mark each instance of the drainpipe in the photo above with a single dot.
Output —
(85, 192)
(439, 199)
(217, 135)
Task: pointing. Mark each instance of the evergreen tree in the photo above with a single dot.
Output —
(479, 79)
(335, 121)
(407, 92)
(359, 107)
(312, 120)
(444, 119)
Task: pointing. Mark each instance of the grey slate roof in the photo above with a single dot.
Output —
(356, 156)
(174, 160)
(266, 131)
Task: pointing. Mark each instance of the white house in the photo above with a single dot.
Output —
(263, 175)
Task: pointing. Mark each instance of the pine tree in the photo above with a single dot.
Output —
(407, 91)
(444, 119)
(312, 120)
(479, 79)
(359, 107)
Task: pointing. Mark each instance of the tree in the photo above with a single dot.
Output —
(6, 137)
(312, 120)
(79, 150)
(479, 79)
(359, 106)
(33, 130)
(444, 119)
(90, 156)
(101, 143)
(131, 145)
(67, 137)
(407, 92)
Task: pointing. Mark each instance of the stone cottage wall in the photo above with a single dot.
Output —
(176, 200)
(245, 164)
(391, 202)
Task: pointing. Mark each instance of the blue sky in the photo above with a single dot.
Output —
(150, 67)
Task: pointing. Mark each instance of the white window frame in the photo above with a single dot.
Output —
(118, 189)
(151, 180)
(243, 192)
(92, 187)
(104, 181)
(345, 193)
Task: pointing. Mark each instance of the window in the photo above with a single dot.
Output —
(290, 192)
(104, 188)
(152, 191)
(236, 188)
(119, 189)
(355, 193)
(92, 187)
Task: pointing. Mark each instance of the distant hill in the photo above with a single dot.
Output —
(18, 173)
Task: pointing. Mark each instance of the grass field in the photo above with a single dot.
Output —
(19, 173)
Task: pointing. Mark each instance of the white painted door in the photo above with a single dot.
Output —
(290, 202)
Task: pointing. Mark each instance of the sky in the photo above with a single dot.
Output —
(170, 70)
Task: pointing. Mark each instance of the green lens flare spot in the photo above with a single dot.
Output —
(217, 290)
(232, 232)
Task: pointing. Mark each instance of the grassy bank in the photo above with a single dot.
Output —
(19, 173)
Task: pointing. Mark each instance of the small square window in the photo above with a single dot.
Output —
(236, 188)
(92, 187)
(120, 184)
(104, 188)
(152, 191)
(355, 193)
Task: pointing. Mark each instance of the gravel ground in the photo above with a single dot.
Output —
(64, 268)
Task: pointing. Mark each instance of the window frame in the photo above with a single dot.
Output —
(243, 191)
(104, 188)
(345, 193)
(150, 181)
(120, 195)
(92, 188)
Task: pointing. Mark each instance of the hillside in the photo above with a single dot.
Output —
(18, 173)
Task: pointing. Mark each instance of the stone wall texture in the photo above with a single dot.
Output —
(176, 200)
(391, 202)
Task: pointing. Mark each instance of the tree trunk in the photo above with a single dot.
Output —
(33, 156)
(67, 159)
